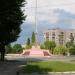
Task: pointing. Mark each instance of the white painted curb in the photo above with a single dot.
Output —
(63, 72)
(50, 73)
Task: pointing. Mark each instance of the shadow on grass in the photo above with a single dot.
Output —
(35, 69)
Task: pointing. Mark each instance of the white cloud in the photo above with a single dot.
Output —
(68, 5)
(53, 17)
(30, 19)
(50, 16)
(45, 10)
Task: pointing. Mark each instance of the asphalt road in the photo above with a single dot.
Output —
(51, 58)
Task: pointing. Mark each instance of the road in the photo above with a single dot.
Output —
(51, 58)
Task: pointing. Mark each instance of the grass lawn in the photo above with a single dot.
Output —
(48, 66)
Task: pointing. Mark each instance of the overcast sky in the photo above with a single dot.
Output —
(50, 10)
(50, 14)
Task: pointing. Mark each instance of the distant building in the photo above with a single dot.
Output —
(60, 36)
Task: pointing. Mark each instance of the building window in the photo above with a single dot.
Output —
(61, 37)
(47, 36)
(53, 34)
(62, 33)
(53, 38)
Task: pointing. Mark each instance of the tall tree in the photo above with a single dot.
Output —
(50, 45)
(33, 38)
(70, 45)
(28, 41)
(71, 42)
(71, 39)
(28, 44)
(11, 17)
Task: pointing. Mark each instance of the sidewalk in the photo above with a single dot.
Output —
(10, 67)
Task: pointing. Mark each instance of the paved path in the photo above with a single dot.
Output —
(10, 67)
(52, 58)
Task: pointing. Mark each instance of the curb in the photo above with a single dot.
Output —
(62, 72)
(49, 73)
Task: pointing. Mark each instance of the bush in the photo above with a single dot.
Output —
(17, 48)
(42, 46)
(28, 46)
(72, 50)
(61, 50)
(50, 45)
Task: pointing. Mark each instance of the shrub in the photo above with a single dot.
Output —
(42, 46)
(17, 48)
(72, 50)
(28, 46)
(60, 50)
(50, 45)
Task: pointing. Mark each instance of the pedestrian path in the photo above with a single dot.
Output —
(10, 67)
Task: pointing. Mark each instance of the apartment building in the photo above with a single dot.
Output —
(60, 36)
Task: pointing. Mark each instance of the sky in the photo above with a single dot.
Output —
(50, 14)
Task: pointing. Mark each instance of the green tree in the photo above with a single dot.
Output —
(8, 48)
(50, 45)
(70, 44)
(42, 46)
(72, 50)
(33, 38)
(60, 50)
(28, 42)
(17, 48)
(47, 45)
(11, 17)
(71, 39)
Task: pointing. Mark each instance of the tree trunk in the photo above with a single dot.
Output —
(2, 52)
(2, 56)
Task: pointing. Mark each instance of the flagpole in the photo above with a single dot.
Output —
(36, 24)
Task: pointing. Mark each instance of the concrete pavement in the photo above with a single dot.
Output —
(51, 58)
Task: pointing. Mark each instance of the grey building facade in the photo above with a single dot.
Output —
(60, 36)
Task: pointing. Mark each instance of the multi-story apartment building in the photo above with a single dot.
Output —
(60, 36)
